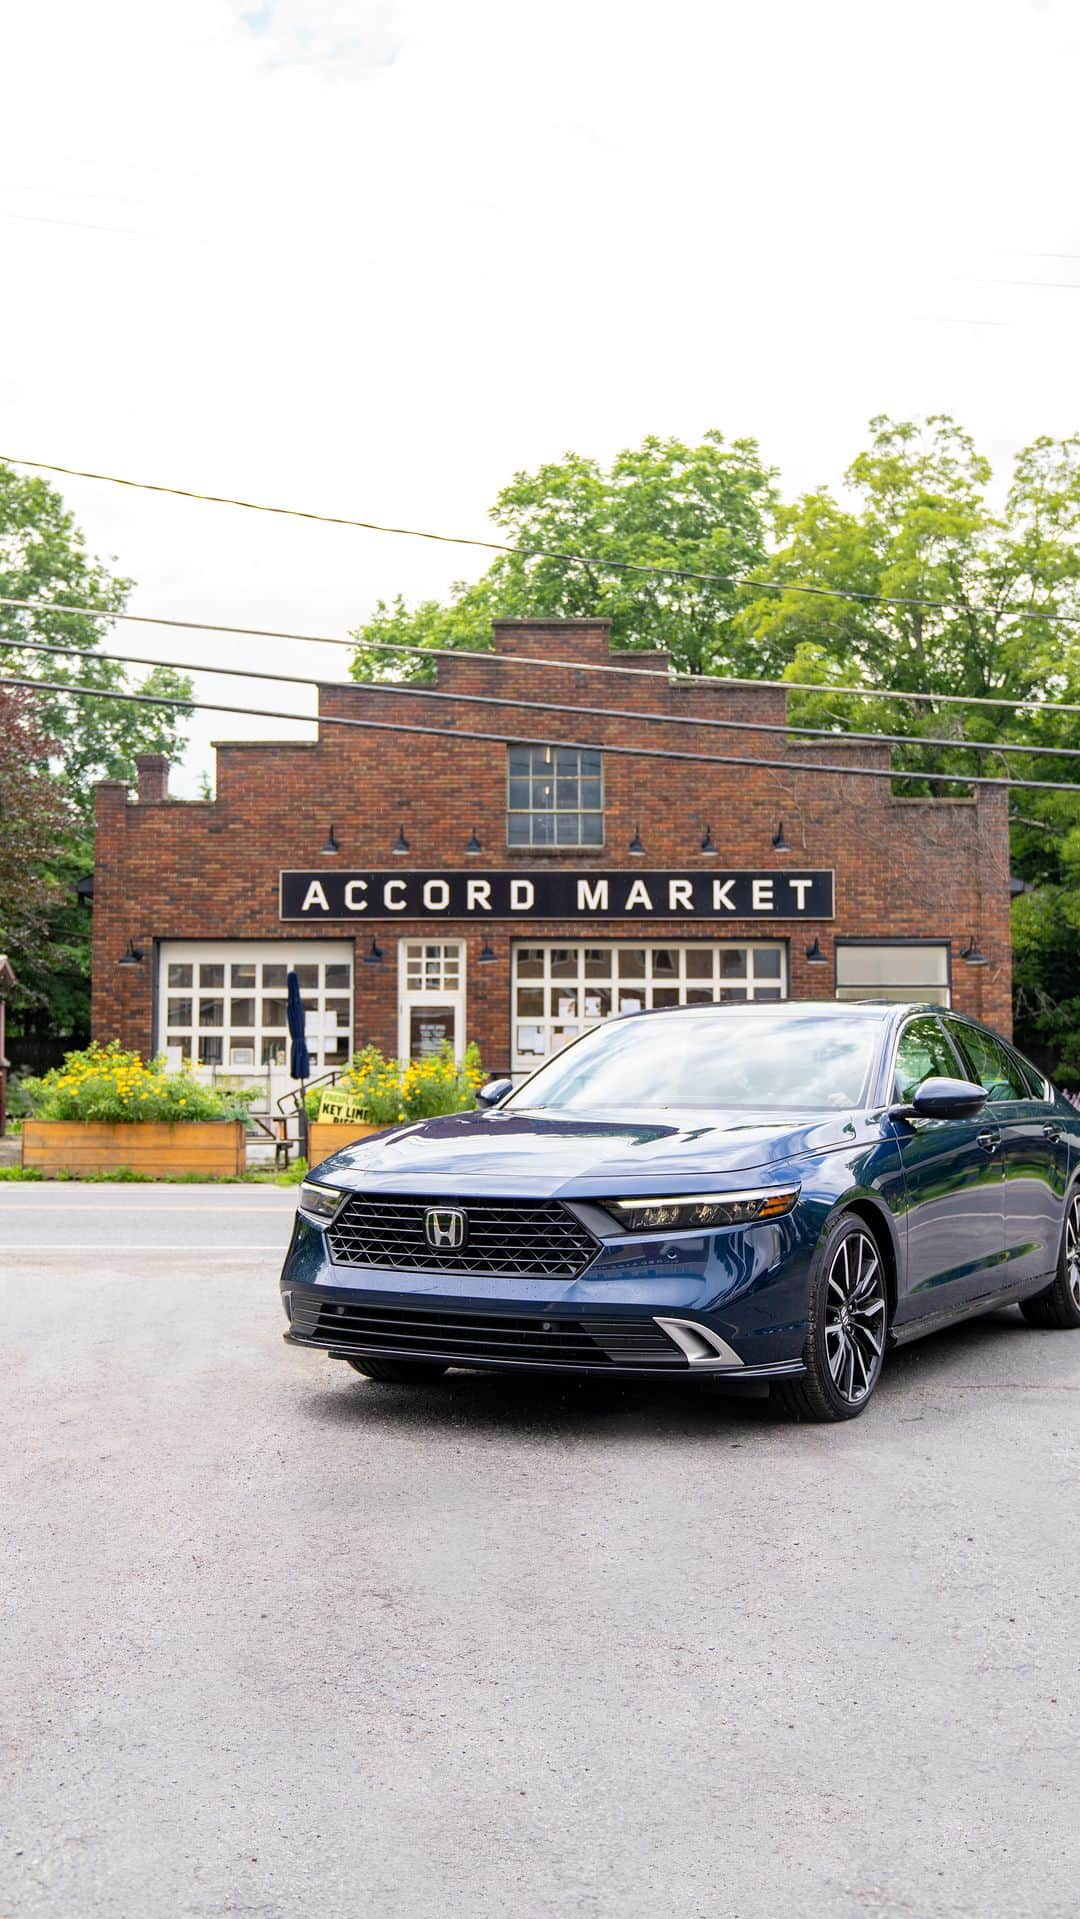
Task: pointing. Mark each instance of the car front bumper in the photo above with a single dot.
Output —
(731, 1303)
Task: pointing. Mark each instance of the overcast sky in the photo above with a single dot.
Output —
(372, 256)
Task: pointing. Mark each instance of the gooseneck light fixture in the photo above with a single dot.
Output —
(373, 956)
(401, 844)
(635, 846)
(707, 845)
(814, 954)
(474, 845)
(971, 955)
(133, 957)
(331, 843)
(486, 957)
(780, 844)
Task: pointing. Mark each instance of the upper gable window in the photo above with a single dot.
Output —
(554, 796)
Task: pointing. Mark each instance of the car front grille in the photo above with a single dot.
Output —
(461, 1337)
(526, 1239)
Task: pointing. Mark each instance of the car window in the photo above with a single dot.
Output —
(1038, 1087)
(923, 1053)
(988, 1064)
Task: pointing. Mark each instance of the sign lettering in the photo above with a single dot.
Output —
(565, 897)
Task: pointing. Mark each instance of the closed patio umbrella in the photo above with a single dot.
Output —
(299, 1057)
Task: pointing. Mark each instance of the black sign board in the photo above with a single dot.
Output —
(568, 897)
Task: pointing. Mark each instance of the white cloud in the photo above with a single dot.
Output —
(371, 259)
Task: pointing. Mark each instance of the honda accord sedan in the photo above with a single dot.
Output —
(770, 1193)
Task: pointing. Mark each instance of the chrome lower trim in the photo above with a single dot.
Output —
(701, 1345)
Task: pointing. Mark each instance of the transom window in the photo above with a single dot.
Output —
(432, 966)
(561, 991)
(872, 970)
(554, 796)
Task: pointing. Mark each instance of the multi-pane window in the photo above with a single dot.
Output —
(878, 970)
(226, 1007)
(554, 796)
(561, 991)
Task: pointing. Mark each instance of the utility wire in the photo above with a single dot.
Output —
(539, 552)
(563, 666)
(411, 691)
(528, 739)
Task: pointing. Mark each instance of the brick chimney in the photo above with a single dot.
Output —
(153, 772)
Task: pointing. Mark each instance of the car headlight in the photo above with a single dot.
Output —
(687, 1212)
(320, 1203)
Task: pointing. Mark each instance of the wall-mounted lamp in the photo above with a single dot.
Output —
(474, 845)
(401, 844)
(330, 844)
(814, 954)
(635, 845)
(373, 957)
(486, 957)
(707, 843)
(971, 955)
(133, 957)
(780, 844)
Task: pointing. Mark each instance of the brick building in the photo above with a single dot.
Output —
(515, 893)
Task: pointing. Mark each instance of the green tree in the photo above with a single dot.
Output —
(919, 523)
(43, 558)
(34, 818)
(704, 508)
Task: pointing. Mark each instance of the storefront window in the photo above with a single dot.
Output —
(561, 991)
(232, 1014)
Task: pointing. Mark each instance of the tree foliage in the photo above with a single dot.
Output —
(72, 742)
(703, 508)
(43, 558)
(34, 819)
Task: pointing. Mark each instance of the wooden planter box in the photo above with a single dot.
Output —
(213, 1146)
(325, 1137)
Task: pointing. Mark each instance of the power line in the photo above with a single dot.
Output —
(529, 739)
(551, 706)
(564, 666)
(539, 552)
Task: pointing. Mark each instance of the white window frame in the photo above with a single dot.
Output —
(258, 953)
(627, 994)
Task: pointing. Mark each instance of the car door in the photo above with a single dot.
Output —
(954, 1184)
(1034, 1153)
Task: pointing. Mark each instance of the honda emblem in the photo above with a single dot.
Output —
(446, 1228)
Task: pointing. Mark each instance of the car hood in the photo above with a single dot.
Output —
(525, 1154)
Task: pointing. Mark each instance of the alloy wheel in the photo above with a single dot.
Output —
(1072, 1249)
(856, 1312)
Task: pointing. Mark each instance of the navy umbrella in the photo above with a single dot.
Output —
(299, 1057)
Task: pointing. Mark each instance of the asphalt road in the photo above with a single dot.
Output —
(278, 1641)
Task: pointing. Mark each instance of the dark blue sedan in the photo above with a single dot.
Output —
(773, 1193)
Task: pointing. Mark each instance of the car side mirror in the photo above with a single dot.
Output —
(494, 1091)
(943, 1099)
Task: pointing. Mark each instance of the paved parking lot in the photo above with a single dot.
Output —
(278, 1641)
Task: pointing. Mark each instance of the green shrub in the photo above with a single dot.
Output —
(107, 1085)
(392, 1090)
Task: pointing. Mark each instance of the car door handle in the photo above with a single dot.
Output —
(989, 1140)
(1051, 1132)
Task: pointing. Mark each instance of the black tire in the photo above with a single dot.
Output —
(847, 1323)
(1059, 1306)
(399, 1372)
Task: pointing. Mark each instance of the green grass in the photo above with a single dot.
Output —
(125, 1176)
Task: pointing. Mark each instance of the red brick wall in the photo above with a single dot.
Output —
(193, 870)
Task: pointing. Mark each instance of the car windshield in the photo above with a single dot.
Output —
(751, 1059)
